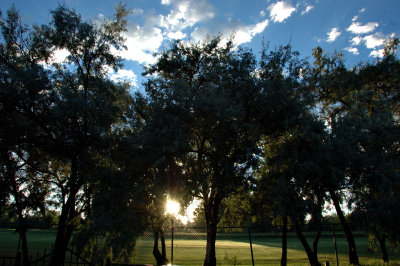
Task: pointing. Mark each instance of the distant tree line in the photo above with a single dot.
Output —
(262, 140)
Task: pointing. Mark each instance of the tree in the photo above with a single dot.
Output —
(290, 179)
(22, 83)
(355, 102)
(200, 91)
(330, 81)
(72, 108)
(375, 164)
(375, 194)
(217, 104)
(282, 75)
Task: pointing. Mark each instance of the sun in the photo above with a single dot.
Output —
(172, 207)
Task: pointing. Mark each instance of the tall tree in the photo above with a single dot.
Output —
(207, 89)
(72, 107)
(289, 179)
(355, 102)
(23, 84)
(374, 132)
(217, 104)
(332, 82)
(282, 76)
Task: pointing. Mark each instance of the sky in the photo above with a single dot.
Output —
(357, 28)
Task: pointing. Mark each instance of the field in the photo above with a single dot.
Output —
(231, 248)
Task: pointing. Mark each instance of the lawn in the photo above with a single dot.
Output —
(231, 248)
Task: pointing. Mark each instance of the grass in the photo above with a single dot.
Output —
(231, 248)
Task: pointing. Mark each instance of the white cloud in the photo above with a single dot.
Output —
(186, 14)
(362, 10)
(124, 75)
(262, 13)
(355, 18)
(241, 33)
(377, 53)
(308, 9)
(356, 40)
(137, 11)
(59, 56)
(333, 34)
(259, 27)
(352, 50)
(178, 35)
(141, 43)
(372, 41)
(246, 33)
(165, 2)
(280, 11)
(357, 28)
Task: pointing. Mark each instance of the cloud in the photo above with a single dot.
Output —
(333, 34)
(356, 40)
(280, 11)
(374, 40)
(242, 33)
(142, 42)
(178, 35)
(124, 75)
(357, 28)
(165, 2)
(377, 53)
(186, 14)
(246, 33)
(352, 50)
(137, 11)
(308, 9)
(59, 56)
(262, 13)
(259, 27)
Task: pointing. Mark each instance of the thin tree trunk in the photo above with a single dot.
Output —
(68, 213)
(211, 208)
(353, 257)
(161, 257)
(22, 232)
(284, 241)
(156, 252)
(21, 218)
(64, 233)
(163, 248)
(311, 255)
(382, 243)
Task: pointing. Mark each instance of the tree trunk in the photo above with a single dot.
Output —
(284, 241)
(163, 249)
(161, 257)
(21, 218)
(210, 259)
(211, 208)
(64, 233)
(311, 254)
(382, 244)
(156, 252)
(353, 257)
(65, 228)
(22, 232)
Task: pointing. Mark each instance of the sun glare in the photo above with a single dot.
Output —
(172, 207)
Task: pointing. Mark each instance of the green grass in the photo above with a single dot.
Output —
(231, 248)
(38, 241)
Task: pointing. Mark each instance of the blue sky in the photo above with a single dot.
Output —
(355, 27)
